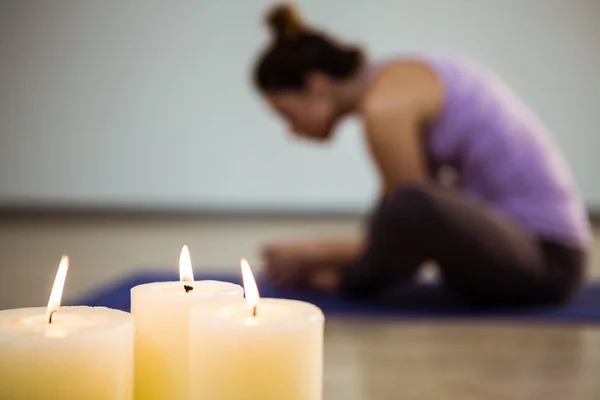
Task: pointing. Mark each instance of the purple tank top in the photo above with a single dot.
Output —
(501, 152)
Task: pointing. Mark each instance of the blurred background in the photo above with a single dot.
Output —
(130, 128)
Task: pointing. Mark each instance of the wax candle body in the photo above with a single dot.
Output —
(278, 354)
(161, 312)
(86, 353)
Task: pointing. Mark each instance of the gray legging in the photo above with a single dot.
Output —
(486, 259)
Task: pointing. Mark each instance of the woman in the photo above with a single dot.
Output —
(512, 230)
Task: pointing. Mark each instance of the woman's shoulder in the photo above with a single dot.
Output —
(402, 84)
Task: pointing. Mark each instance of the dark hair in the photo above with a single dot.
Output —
(296, 49)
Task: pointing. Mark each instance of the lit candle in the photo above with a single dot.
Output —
(161, 312)
(63, 353)
(270, 349)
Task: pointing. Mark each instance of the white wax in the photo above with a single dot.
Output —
(86, 353)
(161, 312)
(276, 355)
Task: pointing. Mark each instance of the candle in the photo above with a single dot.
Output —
(63, 353)
(161, 313)
(267, 349)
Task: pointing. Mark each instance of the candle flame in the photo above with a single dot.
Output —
(250, 288)
(185, 265)
(57, 288)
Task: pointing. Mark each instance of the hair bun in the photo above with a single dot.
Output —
(285, 21)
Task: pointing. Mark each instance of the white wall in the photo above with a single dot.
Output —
(148, 103)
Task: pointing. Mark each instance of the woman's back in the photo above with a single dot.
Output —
(502, 153)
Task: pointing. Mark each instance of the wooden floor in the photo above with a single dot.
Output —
(382, 360)
(364, 359)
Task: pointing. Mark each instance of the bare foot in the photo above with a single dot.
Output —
(288, 264)
(325, 279)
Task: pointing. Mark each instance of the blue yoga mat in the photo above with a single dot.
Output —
(421, 300)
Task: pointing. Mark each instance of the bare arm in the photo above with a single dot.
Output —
(402, 99)
(340, 250)
(325, 250)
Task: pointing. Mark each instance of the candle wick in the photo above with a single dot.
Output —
(254, 311)
(50, 317)
(188, 288)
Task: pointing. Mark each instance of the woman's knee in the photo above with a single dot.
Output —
(413, 201)
(409, 211)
